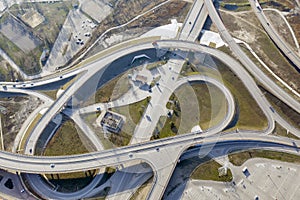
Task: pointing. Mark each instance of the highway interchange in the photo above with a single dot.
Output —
(170, 148)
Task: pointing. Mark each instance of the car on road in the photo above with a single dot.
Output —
(148, 118)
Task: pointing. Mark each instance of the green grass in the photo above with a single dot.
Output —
(273, 53)
(137, 109)
(71, 182)
(111, 90)
(7, 73)
(66, 141)
(29, 130)
(250, 116)
(241, 6)
(166, 127)
(209, 171)
(50, 93)
(90, 120)
(226, 50)
(188, 69)
(282, 109)
(142, 191)
(280, 131)
(133, 114)
(239, 158)
(154, 65)
(207, 110)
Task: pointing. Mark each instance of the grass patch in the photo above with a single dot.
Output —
(112, 90)
(133, 114)
(154, 65)
(142, 191)
(249, 115)
(275, 56)
(284, 110)
(209, 101)
(29, 130)
(7, 73)
(50, 93)
(136, 110)
(235, 2)
(90, 120)
(66, 141)
(166, 127)
(209, 171)
(68, 84)
(71, 182)
(257, 63)
(226, 50)
(188, 69)
(280, 131)
(239, 158)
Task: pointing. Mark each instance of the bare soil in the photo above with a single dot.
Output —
(7, 73)
(293, 8)
(17, 111)
(245, 26)
(127, 10)
(279, 24)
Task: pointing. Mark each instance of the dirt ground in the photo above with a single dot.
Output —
(125, 11)
(294, 21)
(7, 73)
(281, 27)
(245, 26)
(293, 10)
(16, 111)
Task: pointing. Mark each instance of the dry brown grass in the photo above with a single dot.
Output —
(263, 46)
(281, 27)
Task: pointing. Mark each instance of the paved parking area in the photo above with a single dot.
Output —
(76, 30)
(268, 179)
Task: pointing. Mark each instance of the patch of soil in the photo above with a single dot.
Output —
(15, 111)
